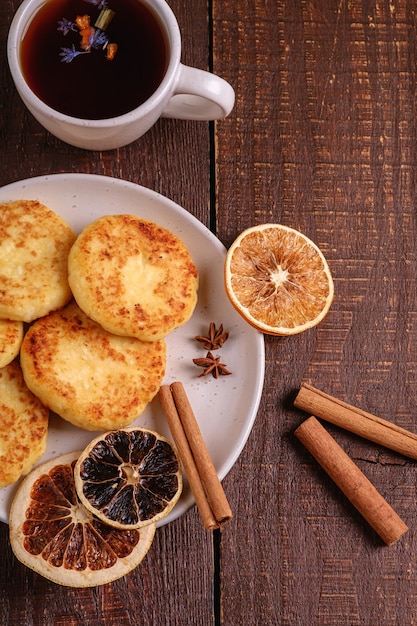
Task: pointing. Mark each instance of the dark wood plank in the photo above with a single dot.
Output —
(324, 140)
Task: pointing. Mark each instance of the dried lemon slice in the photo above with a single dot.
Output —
(55, 535)
(278, 279)
(129, 477)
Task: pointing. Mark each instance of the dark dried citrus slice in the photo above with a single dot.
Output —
(129, 477)
(55, 535)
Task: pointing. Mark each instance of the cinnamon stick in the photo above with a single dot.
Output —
(204, 482)
(353, 419)
(353, 483)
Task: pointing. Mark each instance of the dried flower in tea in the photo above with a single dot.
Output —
(68, 54)
(92, 37)
(65, 26)
(100, 4)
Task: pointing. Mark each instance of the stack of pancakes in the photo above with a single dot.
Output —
(82, 323)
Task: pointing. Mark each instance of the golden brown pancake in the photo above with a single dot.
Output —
(23, 426)
(34, 247)
(11, 335)
(90, 377)
(133, 277)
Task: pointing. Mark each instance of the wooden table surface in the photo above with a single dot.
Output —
(322, 138)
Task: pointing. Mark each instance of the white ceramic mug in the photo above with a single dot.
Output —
(184, 93)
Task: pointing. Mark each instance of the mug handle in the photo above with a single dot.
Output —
(199, 95)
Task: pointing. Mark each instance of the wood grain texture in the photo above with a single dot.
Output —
(322, 138)
(324, 141)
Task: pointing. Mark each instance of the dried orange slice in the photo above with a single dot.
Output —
(55, 535)
(278, 279)
(129, 477)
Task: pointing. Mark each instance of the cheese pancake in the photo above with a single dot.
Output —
(34, 247)
(23, 426)
(133, 277)
(91, 378)
(11, 335)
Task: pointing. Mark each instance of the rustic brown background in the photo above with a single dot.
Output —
(323, 139)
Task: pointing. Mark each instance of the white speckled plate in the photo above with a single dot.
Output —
(225, 407)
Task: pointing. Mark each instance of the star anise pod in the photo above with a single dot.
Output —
(212, 366)
(215, 338)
